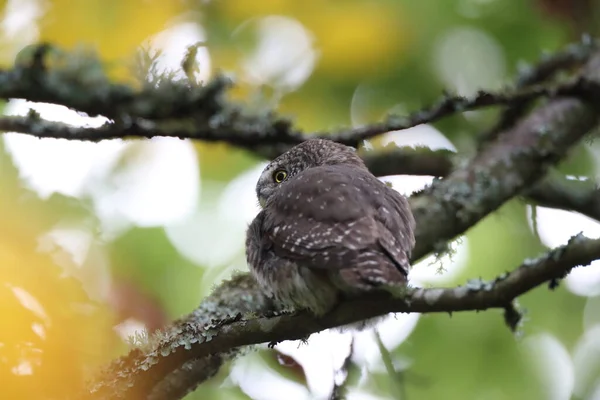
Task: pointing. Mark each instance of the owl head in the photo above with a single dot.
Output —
(308, 154)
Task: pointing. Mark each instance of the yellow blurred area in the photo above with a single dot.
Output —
(51, 334)
(241, 10)
(353, 38)
(358, 38)
(122, 27)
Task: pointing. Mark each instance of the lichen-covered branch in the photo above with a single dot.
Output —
(185, 109)
(393, 160)
(574, 55)
(195, 338)
(225, 122)
(505, 168)
(554, 190)
(46, 74)
(139, 375)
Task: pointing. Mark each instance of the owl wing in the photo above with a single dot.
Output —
(398, 238)
(335, 217)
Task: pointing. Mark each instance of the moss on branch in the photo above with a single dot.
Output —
(185, 109)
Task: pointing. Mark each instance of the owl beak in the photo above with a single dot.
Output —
(262, 201)
(262, 193)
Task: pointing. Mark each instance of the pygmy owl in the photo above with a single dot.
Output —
(328, 228)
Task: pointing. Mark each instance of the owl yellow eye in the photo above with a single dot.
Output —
(279, 176)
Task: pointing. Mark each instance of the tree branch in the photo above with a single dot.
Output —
(255, 130)
(205, 341)
(450, 105)
(572, 56)
(393, 160)
(185, 110)
(554, 190)
(505, 168)
(43, 73)
(570, 195)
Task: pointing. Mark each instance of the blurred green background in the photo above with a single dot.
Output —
(98, 240)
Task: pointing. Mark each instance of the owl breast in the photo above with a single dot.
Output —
(288, 283)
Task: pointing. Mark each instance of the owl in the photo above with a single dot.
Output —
(328, 228)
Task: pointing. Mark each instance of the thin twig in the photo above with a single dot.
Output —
(269, 135)
(573, 55)
(396, 378)
(512, 317)
(340, 390)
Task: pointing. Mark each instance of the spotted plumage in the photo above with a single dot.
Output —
(327, 228)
